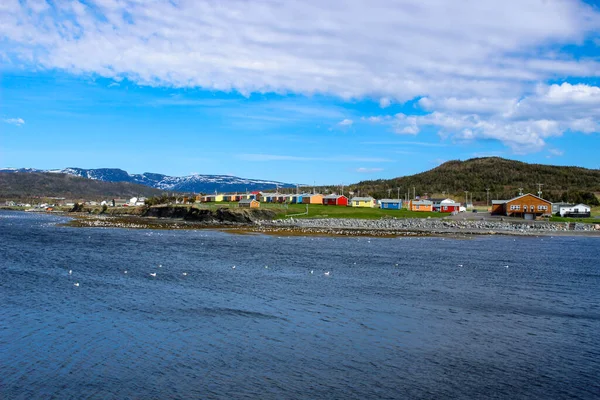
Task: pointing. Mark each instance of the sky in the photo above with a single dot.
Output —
(311, 91)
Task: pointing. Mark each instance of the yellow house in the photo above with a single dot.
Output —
(219, 197)
(368, 202)
(420, 205)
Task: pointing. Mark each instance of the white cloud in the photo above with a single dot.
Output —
(478, 67)
(523, 124)
(555, 153)
(384, 102)
(391, 51)
(364, 170)
(15, 121)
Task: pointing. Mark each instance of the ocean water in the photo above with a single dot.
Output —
(394, 319)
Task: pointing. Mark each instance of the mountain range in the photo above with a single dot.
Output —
(195, 183)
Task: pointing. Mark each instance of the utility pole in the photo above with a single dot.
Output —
(398, 193)
(488, 196)
(414, 193)
(466, 198)
(540, 189)
(389, 193)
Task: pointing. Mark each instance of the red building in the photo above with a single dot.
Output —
(335, 200)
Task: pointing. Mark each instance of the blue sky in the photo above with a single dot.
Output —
(326, 93)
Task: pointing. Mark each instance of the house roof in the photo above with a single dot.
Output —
(390, 201)
(574, 205)
(311, 195)
(362, 199)
(333, 196)
(244, 201)
(499, 201)
(424, 202)
(528, 194)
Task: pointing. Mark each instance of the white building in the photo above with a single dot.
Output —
(579, 210)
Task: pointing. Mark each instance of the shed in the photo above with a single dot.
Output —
(249, 203)
(312, 199)
(362, 202)
(390, 204)
(420, 205)
(335, 200)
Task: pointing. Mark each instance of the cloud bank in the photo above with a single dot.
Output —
(480, 68)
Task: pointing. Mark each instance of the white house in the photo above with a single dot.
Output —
(579, 210)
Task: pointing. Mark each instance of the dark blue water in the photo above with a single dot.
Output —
(396, 318)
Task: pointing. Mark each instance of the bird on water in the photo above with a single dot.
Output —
(153, 274)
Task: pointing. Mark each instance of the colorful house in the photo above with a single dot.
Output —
(296, 199)
(312, 199)
(445, 205)
(390, 204)
(362, 202)
(525, 206)
(249, 203)
(420, 205)
(335, 200)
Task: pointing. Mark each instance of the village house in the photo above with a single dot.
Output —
(575, 211)
(525, 206)
(445, 205)
(249, 203)
(420, 205)
(335, 200)
(368, 202)
(312, 199)
(390, 204)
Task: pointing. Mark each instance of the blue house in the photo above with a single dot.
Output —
(296, 199)
(391, 204)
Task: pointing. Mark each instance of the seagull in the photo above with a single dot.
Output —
(312, 271)
(327, 273)
(460, 265)
(233, 267)
(125, 271)
(184, 274)
(266, 266)
(70, 272)
(159, 265)
(506, 266)
(153, 274)
(76, 284)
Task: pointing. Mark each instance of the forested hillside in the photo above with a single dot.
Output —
(502, 177)
(22, 185)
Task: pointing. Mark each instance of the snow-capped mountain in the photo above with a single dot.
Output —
(193, 183)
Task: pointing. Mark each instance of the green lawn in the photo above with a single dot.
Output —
(321, 211)
(591, 220)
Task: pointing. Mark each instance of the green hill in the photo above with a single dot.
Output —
(23, 185)
(503, 177)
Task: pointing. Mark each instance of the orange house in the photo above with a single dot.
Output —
(420, 205)
(312, 199)
(248, 203)
(525, 206)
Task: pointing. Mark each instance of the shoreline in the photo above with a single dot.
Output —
(384, 228)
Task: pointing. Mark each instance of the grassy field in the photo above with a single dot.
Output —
(591, 220)
(321, 211)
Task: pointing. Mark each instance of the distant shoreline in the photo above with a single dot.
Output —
(386, 227)
(327, 227)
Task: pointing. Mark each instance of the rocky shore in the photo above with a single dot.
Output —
(435, 225)
(249, 222)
